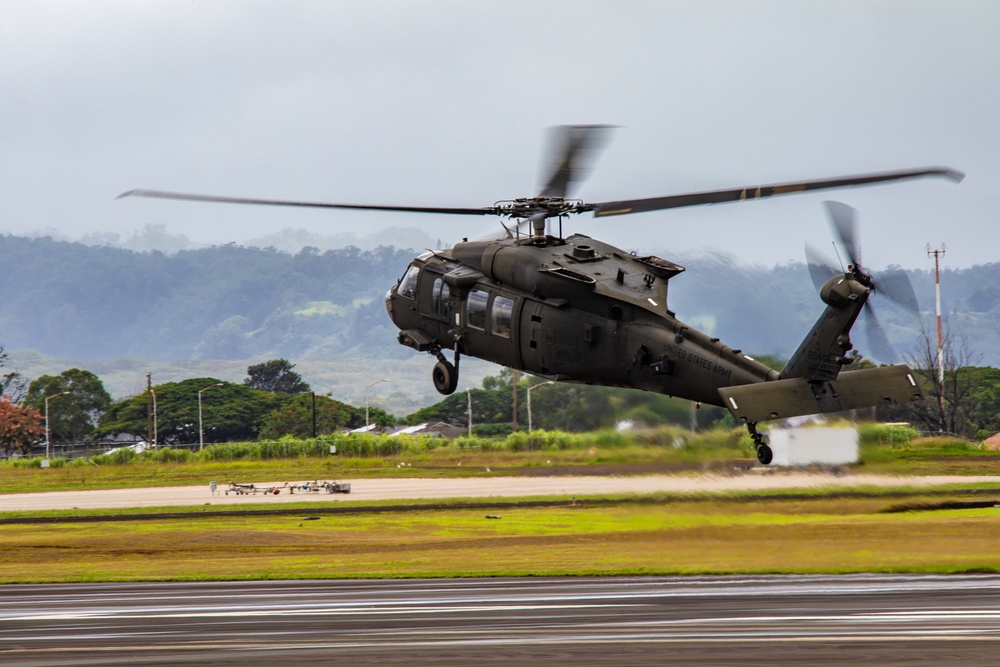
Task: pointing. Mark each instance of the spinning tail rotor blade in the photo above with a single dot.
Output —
(843, 218)
(820, 268)
(895, 285)
(879, 346)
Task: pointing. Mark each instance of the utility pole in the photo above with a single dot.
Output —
(468, 395)
(529, 402)
(201, 427)
(514, 421)
(149, 406)
(938, 254)
(48, 444)
(155, 420)
(367, 387)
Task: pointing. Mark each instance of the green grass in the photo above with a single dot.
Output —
(668, 536)
(888, 450)
(782, 531)
(439, 462)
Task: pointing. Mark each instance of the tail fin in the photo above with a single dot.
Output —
(823, 352)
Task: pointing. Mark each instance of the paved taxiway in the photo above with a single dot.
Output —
(912, 620)
(470, 487)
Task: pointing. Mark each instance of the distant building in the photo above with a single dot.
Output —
(992, 442)
(374, 429)
(436, 430)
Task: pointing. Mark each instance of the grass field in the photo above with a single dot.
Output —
(716, 452)
(734, 533)
(438, 463)
(666, 536)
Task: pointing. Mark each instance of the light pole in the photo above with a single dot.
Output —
(938, 254)
(201, 428)
(48, 450)
(529, 401)
(367, 387)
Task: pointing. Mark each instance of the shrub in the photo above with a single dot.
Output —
(116, 457)
(871, 433)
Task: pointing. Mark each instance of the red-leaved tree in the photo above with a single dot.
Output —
(20, 426)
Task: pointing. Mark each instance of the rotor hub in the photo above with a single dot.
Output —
(526, 207)
(841, 291)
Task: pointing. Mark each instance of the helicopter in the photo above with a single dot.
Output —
(575, 309)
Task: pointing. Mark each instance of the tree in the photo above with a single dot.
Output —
(946, 408)
(562, 406)
(74, 415)
(295, 417)
(12, 384)
(984, 403)
(275, 375)
(20, 426)
(229, 412)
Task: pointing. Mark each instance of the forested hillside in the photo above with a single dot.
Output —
(228, 302)
(231, 303)
(770, 310)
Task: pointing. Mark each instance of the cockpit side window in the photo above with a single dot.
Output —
(439, 298)
(500, 314)
(476, 309)
(408, 285)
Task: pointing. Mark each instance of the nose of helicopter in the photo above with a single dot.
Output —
(388, 303)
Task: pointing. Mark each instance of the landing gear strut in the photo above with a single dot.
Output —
(445, 374)
(764, 453)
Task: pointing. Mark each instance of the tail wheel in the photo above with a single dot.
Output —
(445, 377)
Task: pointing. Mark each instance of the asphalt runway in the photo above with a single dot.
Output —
(758, 620)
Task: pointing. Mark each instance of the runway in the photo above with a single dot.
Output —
(816, 620)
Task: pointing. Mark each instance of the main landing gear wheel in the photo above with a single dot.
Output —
(445, 377)
(764, 453)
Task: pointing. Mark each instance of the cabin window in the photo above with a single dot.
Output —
(408, 285)
(439, 298)
(500, 314)
(475, 316)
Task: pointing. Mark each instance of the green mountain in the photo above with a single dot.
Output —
(213, 311)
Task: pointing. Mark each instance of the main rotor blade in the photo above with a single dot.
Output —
(161, 194)
(571, 151)
(843, 219)
(623, 207)
(895, 285)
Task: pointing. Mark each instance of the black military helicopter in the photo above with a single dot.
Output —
(578, 310)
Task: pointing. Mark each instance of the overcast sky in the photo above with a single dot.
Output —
(445, 103)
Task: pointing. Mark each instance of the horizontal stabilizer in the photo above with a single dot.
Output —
(887, 385)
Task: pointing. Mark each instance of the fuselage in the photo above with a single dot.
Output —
(573, 310)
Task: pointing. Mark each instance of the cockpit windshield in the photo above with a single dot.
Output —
(408, 284)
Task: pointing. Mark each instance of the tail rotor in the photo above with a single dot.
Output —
(892, 283)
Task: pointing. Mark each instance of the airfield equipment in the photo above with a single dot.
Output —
(293, 488)
(318, 487)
